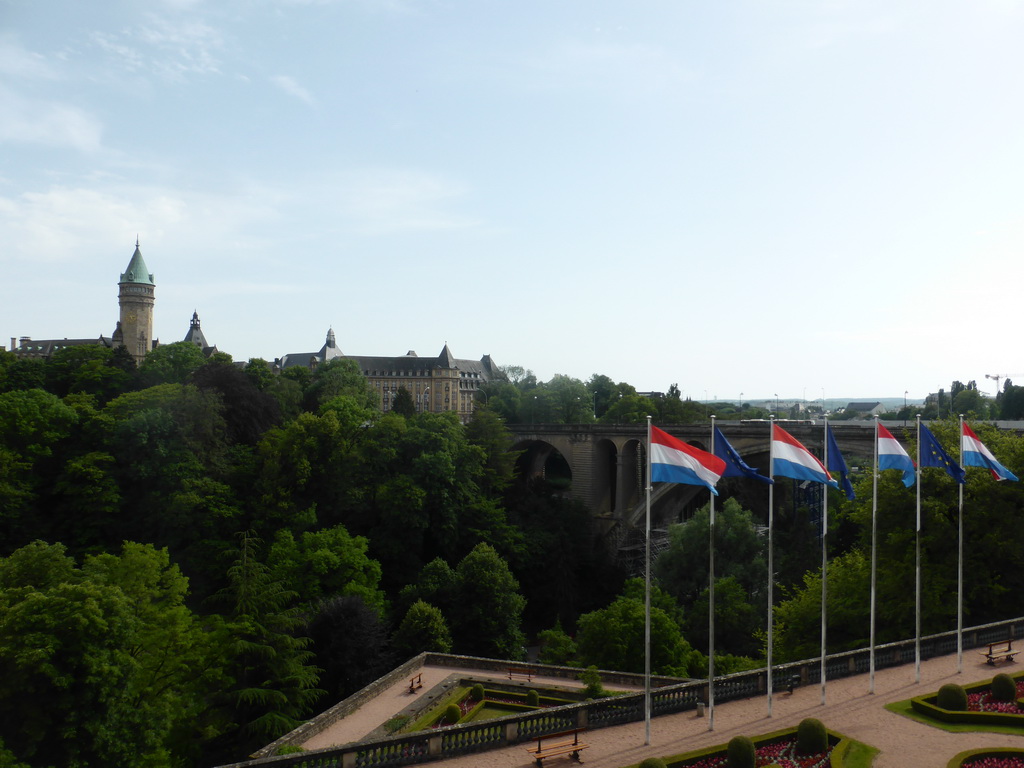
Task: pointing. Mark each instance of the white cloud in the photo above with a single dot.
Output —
(291, 87)
(54, 225)
(51, 123)
(604, 65)
(170, 49)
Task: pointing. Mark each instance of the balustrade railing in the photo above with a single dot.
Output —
(456, 740)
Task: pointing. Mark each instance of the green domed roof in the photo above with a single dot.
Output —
(137, 271)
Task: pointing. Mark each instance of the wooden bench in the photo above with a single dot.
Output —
(522, 672)
(558, 744)
(415, 682)
(1001, 651)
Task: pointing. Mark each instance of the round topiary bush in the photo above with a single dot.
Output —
(532, 698)
(452, 714)
(477, 692)
(811, 737)
(741, 752)
(1004, 688)
(652, 762)
(952, 697)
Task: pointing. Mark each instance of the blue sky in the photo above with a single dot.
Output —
(794, 197)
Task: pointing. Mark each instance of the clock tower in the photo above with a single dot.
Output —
(136, 298)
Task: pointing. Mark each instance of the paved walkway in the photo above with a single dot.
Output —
(849, 708)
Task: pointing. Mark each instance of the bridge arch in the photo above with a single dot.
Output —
(541, 459)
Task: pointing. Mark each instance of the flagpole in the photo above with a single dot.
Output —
(824, 562)
(960, 566)
(771, 576)
(647, 599)
(711, 600)
(874, 563)
(917, 575)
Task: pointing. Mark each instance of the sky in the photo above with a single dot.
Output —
(801, 198)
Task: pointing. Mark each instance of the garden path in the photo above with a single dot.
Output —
(849, 708)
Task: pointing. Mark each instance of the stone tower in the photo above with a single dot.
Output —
(136, 296)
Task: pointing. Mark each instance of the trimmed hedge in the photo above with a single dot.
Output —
(840, 745)
(929, 707)
(977, 754)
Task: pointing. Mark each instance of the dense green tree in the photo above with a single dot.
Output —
(90, 368)
(630, 409)
(171, 364)
(258, 371)
(273, 680)
(102, 665)
(603, 393)
(350, 645)
(564, 570)
(340, 376)
(487, 613)
(798, 618)
(36, 434)
(22, 373)
(403, 404)
(487, 431)
(556, 647)
(613, 638)
(327, 563)
(247, 411)
(171, 451)
(737, 621)
(423, 628)
(682, 569)
(435, 584)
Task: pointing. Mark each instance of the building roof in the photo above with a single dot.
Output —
(196, 336)
(328, 351)
(409, 364)
(137, 271)
(46, 347)
(862, 407)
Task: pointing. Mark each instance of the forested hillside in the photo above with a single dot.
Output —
(196, 557)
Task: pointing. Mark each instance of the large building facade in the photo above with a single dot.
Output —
(442, 383)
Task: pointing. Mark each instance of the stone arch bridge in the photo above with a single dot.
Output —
(604, 466)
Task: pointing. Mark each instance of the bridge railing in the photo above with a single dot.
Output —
(411, 749)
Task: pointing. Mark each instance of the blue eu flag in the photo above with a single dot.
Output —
(932, 455)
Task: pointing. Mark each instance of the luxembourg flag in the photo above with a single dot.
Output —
(673, 461)
(973, 453)
(892, 456)
(791, 459)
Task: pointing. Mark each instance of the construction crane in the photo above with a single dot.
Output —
(997, 376)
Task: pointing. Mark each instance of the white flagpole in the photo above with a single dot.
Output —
(824, 563)
(917, 576)
(647, 599)
(771, 575)
(960, 567)
(874, 563)
(711, 600)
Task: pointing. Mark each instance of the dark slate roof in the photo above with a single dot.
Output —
(195, 332)
(328, 351)
(46, 347)
(862, 407)
(409, 364)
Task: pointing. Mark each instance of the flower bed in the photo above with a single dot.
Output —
(1005, 757)
(776, 749)
(984, 712)
(781, 753)
(982, 701)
